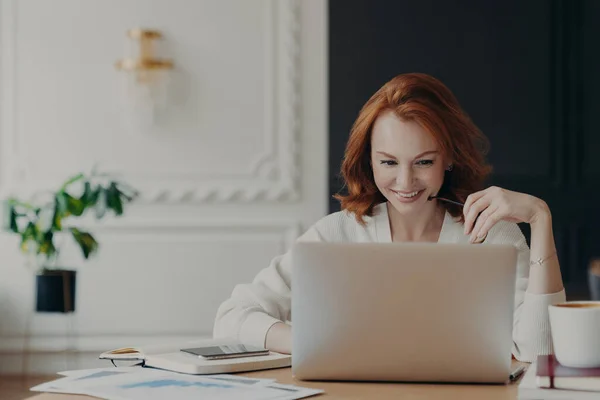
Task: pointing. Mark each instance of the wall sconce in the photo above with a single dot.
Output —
(146, 77)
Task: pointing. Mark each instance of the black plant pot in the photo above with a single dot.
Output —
(56, 291)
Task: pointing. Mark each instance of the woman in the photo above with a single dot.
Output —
(411, 142)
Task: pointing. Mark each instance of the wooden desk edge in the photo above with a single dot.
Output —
(338, 390)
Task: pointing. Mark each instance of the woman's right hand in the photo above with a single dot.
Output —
(279, 338)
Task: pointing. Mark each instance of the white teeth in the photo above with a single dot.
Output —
(407, 196)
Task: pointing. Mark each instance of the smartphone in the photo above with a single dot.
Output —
(226, 351)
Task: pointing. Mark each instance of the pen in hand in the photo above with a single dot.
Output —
(457, 203)
(516, 373)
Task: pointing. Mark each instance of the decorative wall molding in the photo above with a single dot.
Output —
(250, 203)
(288, 229)
(272, 175)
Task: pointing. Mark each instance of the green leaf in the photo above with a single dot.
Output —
(100, 206)
(10, 217)
(62, 207)
(86, 242)
(90, 196)
(87, 192)
(58, 216)
(46, 246)
(113, 199)
(72, 206)
(30, 234)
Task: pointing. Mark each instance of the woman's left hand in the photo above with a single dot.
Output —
(485, 208)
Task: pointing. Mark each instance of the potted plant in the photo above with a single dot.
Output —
(40, 225)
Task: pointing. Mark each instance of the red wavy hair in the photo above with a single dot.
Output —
(428, 102)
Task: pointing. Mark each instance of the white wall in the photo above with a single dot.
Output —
(229, 178)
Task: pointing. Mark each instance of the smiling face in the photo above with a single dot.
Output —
(408, 166)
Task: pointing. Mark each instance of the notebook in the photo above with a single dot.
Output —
(551, 374)
(169, 357)
(528, 390)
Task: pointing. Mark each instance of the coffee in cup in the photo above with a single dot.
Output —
(575, 327)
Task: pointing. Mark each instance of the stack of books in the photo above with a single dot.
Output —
(548, 379)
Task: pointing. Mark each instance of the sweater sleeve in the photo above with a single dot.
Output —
(254, 307)
(531, 324)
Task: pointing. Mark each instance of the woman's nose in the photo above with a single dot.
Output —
(404, 178)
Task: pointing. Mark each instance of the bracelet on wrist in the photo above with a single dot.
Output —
(541, 260)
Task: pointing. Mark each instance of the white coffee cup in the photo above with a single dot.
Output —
(575, 329)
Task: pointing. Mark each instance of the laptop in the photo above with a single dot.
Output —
(414, 312)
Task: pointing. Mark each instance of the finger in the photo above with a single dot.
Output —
(489, 223)
(474, 210)
(480, 220)
(472, 198)
(477, 232)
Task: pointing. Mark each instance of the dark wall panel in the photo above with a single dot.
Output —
(526, 73)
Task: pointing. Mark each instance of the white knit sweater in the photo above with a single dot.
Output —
(254, 307)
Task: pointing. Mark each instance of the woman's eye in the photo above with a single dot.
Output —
(388, 162)
(425, 162)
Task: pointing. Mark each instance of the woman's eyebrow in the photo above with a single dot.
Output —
(425, 153)
(383, 153)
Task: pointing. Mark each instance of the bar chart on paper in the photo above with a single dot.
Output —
(154, 384)
(176, 389)
(161, 383)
